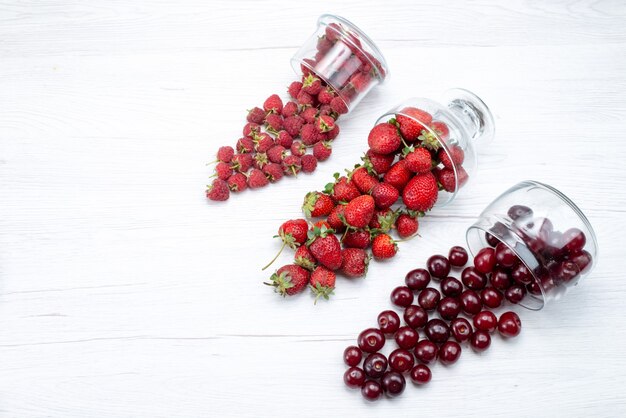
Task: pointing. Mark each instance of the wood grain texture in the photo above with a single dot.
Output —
(123, 293)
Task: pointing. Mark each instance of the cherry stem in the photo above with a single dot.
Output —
(276, 256)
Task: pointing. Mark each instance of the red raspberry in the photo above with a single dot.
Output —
(309, 163)
(305, 99)
(273, 172)
(283, 138)
(218, 191)
(292, 165)
(294, 89)
(274, 121)
(223, 171)
(325, 124)
(333, 133)
(256, 115)
(293, 124)
(324, 45)
(298, 148)
(325, 96)
(277, 153)
(322, 150)
(257, 179)
(250, 129)
(241, 162)
(273, 104)
(309, 134)
(290, 109)
(245, 145)
(237, 182)
(311, 85)
(339, 106)
(264, 142)
(309, 114)
(260, 160)
(225, 154)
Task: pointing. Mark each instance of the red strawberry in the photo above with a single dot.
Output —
(218, 191)
(237, 182)
(383, 220)
(293, 124)
(319, 224)
(284, 139)
(354, 262)
(418, 160)
(322, 283)
(325, 123)
(342, 190)
(290, 109)
(412, 121)
(440, 129)
(273, 104)
(309, 163)
(256, 115)
(454, 156)
(225, 154)
(325, 247)
(398, 175)
(384, 139)
(385, 195)
(429, 140)
(292, 165)
(250, 129)
(336, 218)
(274, 122)
(223, 171)
(363, 180)
(277, 154)
(309, 114)
(245, 145)
(241, 162)
(289, 280)
(260, 160)
(322, 150)
(339, 105)
(304, 258)
(317, 204)
(257, 179)
(407, 225)
(383, 247)
(294, 89)
(421, 192)
(309, 134)
(359, 211)
(447, 180)
(380, 163)
(293, 233)
(298, 148)
(359, 238)
(273, 172)
(326, 96)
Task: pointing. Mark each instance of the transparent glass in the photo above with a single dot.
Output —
(344, 57)
(547, 232)
(459, 123)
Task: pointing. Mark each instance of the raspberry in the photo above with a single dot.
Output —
(325, 96)
(309, 114)
(283, 138)
(273, 172)
(274, 121)
(256, 115)
(237, 182)
(276, 154)
(241, 162)
(245, 145)
(293, 124)
(339, 106)
(260, 160)
(250, 128)
(257, 179)
(294, 89)
(309, 134)
(223, 171)
(292, 165)
(218, 191)
(225, 154)
(273, 104)
(290, 109)
(325, 124)
(309, 163)
(332, 134)
(322, 150)
(305, 99)
(312, 85)
(298, 148)
(264, 142)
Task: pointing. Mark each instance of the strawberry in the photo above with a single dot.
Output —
(289, 280)
(263, 142)
(294, 89)
(325, 247)
(260, 160)
(385, 195)
(383, 247)
(256, 115)
(326, 96)
(293, 233)
(383, 220)
(359, 238)
(290, 109)
(454, 156)
(336, 218)
(309, 114)
(407, 225)
(250, 129)
(362, 179)
(304, 258)
(276, 154)
(379, 163)
(273, 104)
(309, 163)
(354, 262)
(218, 191)
(245, 145)
(284, 139)
(359, 211)
(241, 162)
(421, 192)
(319, 224)
(223, 171)
(257, 179)
(298, 148)
(418, 160)
(225, 154)
(339, 105)
(292, 164)
(274, 122)
(360, 81)
(398, 175)
(324, 123)
(273, 172)
(293, 124)
(317, 204)
(322, 283)
(322, 150)
(429, 141)
(309, 134)
(446, 178)
(440, 129)
(237, 182)
(411, 122)
(312, 85)
(384, 139)
(342, 190)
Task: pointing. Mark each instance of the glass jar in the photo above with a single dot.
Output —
(455, 125)
(344, 57)
(547, 232)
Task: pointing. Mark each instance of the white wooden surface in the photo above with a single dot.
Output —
(123, 293)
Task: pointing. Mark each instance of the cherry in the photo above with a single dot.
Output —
(509, 324)
(542, 227)
(515, 293)
(461, 329)
(417, 279)
(491, 240)
(533, 288)
(457, 256)
(566, 271)
(521, 274)
(574, 240)
(388, 322)
(437, 331)
(449, 308)
(451, 287)
(491, 298)
(372, 390)
(554, 248)
(375, 365)
(393, 383)
(470, 302)
(415, 316)
(352, 355)
(429, 298)
(473, 279)
(426, 351)
(582, 260)
(480, 341)
(354, 377)
(485, 260)
(402, 296)
(406, 337)
(401, 360)
(449, 352)
(438, 266)
(497, 230)
(500, 279)
(485, 321)
(505, 256)
(519, 211)
(371, 340)
(420, 374)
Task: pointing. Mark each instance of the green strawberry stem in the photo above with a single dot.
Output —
(276, 256)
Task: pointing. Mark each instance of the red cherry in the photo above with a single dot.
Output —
(421, 374)
(485, 321)
(509, 324)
